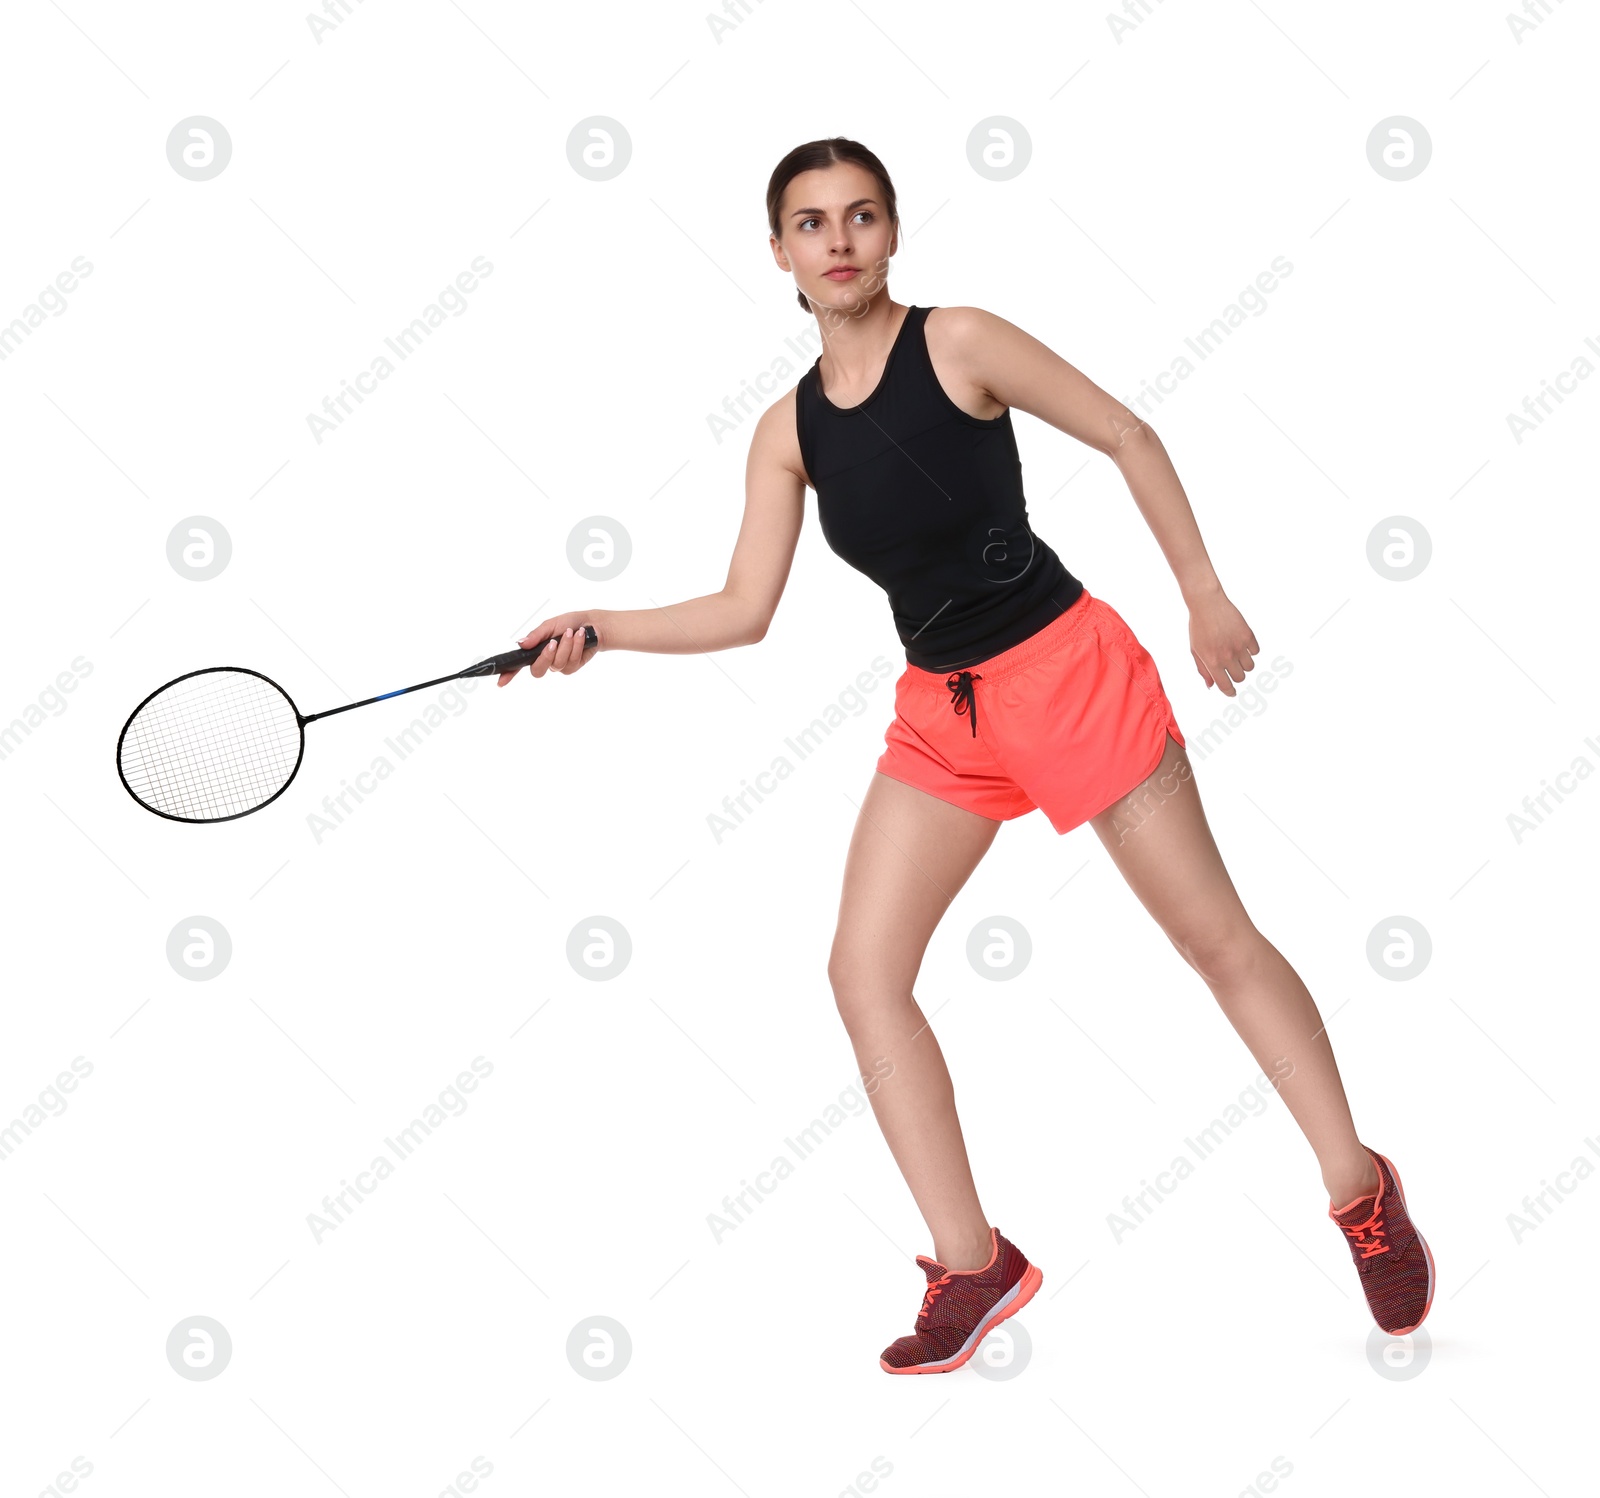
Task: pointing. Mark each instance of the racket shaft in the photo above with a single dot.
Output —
(512, 660)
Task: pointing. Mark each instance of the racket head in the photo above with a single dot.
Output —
(211, 745)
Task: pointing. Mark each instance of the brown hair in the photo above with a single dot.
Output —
(815, 155)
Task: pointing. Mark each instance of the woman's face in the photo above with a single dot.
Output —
(836, 236)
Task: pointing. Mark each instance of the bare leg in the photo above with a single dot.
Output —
(909, 856)
(1159, 839)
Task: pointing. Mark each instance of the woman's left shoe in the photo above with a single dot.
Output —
(1394, 1260)
(960, 1307)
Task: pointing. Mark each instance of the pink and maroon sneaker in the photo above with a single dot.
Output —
(1395, 1262)
(960, 1307)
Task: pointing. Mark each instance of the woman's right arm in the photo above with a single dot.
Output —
(740, 611)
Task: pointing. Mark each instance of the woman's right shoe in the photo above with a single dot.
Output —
(960, 1307)
(1394, 1260)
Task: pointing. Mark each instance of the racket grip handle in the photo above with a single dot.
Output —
(514, 660)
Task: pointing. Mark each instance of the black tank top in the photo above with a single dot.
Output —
(927, 502)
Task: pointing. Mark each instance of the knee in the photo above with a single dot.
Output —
(1226, 957)
(851, 987)
(862, 989)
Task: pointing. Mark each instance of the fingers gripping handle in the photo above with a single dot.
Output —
(514, 660)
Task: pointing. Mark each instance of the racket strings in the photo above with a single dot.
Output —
(212, 745)
(207, 754)
(174, 750)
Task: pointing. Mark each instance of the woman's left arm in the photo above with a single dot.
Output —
(1018, 370)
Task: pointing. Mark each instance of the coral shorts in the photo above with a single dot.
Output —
(1066, 722)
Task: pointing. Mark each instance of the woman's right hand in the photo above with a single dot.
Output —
(568, 653)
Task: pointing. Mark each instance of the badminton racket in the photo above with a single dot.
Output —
(222, 742)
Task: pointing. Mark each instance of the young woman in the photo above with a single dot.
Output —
(1021, 690)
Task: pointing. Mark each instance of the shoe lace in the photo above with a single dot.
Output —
(1374, 1242)
(934, 1287)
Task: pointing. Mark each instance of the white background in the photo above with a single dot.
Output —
(431, 927)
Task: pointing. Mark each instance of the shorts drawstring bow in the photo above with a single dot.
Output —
(962, 697)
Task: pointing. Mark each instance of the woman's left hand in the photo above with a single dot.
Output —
(1222, 644)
